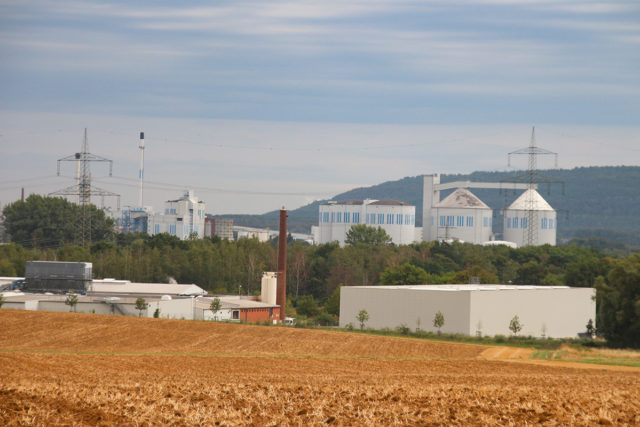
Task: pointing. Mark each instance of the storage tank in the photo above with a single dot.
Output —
(269, 287)
(516, 220)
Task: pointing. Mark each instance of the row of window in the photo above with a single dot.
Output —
(354, 218)
(515, 222)
(460, 221)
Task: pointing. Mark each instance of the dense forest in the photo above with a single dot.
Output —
(591, 201)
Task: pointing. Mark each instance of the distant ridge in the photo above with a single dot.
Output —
(598, 201)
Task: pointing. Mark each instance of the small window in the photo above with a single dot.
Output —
(469, 221)
(380, 218)
(235, 315)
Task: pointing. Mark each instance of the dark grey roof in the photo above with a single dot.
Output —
(391, 203)
(349, 202)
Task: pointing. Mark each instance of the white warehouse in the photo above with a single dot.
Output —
(552, 311)
(397, 218)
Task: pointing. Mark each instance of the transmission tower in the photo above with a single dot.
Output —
(83, 189)
(532, 178)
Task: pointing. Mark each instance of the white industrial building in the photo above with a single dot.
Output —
(465, 217)
(395, 217)
(462, 216)
(180, 218)
(530, 206)
(551, 311)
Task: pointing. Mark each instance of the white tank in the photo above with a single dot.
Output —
(516, 220)
(269, 287)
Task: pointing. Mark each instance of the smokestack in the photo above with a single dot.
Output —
(281, 294)
(141, 170)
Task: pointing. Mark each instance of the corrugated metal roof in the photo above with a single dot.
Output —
(462, 198)
(230, 302)
(538, 203)
(126, 287)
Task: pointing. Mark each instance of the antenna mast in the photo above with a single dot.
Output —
(531, 229)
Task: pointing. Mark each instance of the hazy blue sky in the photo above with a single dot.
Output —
(257, 104)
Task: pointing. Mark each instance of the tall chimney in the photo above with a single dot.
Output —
(281, 294)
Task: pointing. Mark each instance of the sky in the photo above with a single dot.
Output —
(260, 104)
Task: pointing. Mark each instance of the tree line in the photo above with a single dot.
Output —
(316, 273)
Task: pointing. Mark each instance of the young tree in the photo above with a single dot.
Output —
(141, 304)
(368, 235)
(71, 301)
(438, 321)
(215, 307)
(362, 318)
(515, 326)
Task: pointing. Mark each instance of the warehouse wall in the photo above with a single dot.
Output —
(563, 312)
(392, 307)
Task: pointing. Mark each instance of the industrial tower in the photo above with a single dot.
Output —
(532, 177)
(83, 189)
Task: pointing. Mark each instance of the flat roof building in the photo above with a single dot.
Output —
(551, 311)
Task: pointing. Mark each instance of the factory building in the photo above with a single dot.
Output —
(180, 218)
(397, 218)
(544, 311)
(462, 216)
(221, 227)
(530, 205)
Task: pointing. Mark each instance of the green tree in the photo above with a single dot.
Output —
(405, 274)
(333, 303)
(618, 302)
(362, 318)
(215, 307)
(367, 235)
(52, 221)
(515, 326)
(591, 330)
(307, 306)
(438, 320)
(71, 301)
(141, 304)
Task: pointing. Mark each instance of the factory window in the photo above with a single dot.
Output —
(459, 221)
(380, 218)
(347, 217)
(443, 220)
(485, 222)
(156, 228)
(333, 217)
(451, 220)
(523, 222)
(172, 229)
(186, 230)
(235, 315)
(356, 217)
(372, 218)
(399, 219)
(407, 219)
(339, 217)
(544, 223)
(389, 218)
(551, 224)
(508, 222)
(469, 221)
(325, 216)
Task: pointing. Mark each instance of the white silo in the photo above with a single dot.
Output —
(269, 287)
(462, 216)
(516, 220)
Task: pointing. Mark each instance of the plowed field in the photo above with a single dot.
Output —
(65, 368)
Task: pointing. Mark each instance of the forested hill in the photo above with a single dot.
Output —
(591, 201)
